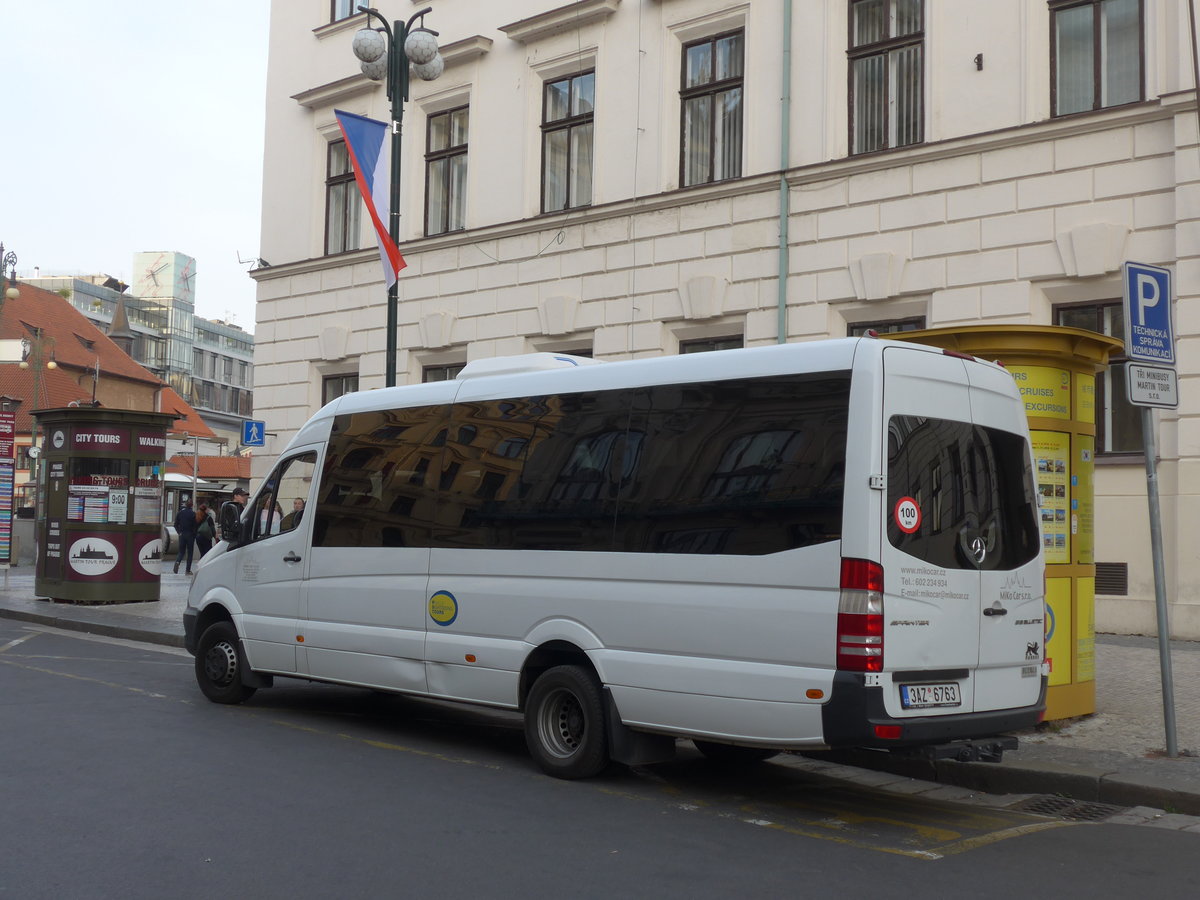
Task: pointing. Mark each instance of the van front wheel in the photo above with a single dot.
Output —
(219, 665)
(564, 723)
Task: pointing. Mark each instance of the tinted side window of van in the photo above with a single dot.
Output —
(538, 473)
(377, 489)
(974, 488)
(746, 467)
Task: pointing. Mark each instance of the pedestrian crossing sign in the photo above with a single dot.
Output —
(254, 433)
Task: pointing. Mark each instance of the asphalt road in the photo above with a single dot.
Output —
(119, 779)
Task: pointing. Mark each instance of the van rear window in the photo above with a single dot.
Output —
(973, 487)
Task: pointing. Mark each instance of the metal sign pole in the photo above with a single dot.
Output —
(1151, 381)
(1160, 584)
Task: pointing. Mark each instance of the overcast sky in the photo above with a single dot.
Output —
(129, 126)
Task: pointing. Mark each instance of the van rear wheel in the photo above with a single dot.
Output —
(564, 723)
(728, 753)
(219, 665)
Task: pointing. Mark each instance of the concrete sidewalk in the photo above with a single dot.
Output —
(1115, 756)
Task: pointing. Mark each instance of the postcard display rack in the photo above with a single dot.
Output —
(99, 504)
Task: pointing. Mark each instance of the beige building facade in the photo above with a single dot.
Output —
(627, 178)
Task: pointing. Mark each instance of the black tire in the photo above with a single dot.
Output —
(219, 665)
(564, 723)
(728, 754)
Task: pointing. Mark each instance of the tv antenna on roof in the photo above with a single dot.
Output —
(255, 262)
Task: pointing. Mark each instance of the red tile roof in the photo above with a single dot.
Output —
(55, 388)
(76, 342)
(187, 420)
(213, 468)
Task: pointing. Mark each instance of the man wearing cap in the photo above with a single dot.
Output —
(231, 515)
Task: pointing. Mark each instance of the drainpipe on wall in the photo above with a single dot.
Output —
(1195, 56)
(785, 146)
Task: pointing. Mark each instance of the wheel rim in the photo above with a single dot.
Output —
(562, 724)
(220, 664)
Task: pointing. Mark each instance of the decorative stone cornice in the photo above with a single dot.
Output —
(556, 315)
(350, 23)
(436, 329)
(466, 50)
(1095, 249)
(876, 276)
(335, 91)
(703, 297)
(334, 341)
(573, 15)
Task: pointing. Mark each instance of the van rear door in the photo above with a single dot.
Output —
(960, 544)
(1012, 626)
(931, 590)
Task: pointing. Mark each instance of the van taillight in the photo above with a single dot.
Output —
(860, 617)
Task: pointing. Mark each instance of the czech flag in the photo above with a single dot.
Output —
(367, 142)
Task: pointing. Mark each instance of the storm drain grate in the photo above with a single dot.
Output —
(1066, 808)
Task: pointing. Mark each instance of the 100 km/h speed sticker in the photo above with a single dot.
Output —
(907, 515)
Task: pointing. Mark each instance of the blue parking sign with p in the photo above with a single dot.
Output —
(1148, 334)
(254, 433)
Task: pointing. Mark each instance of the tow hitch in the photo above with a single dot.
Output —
(987, 750)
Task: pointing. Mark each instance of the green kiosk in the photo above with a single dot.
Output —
(1055, 369)
(99, 504)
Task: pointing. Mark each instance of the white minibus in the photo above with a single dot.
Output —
(806, 546)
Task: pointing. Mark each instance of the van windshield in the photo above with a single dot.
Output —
(960, 496)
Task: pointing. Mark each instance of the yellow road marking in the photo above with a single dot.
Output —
(17, 641)
(816, 816)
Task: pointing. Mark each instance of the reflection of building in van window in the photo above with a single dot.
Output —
(970, 482)
(749, 466)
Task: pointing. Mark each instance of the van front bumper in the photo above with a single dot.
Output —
(189, 629)
(854, 710)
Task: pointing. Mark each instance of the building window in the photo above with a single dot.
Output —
(1096, 54)
(333, 386)
(1118, 422)
(446, 171)
(342, 205)
(711, 95)
(706, 344)
(887, 62)
(343, 9)
(885, 326)
(567, 114)
(442, 373)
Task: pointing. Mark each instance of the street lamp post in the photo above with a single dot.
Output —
(33, 356)
(8, 266)
(385, 53)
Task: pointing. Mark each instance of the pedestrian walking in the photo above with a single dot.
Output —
(292, 519)
(231, 515)
(270, 516)
(185, 529)
(206, 529)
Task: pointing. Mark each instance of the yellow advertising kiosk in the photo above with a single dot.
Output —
(1055, 369)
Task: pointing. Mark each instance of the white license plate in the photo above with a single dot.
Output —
(925, 696)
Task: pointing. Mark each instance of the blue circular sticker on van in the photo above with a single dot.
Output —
(443, 608)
